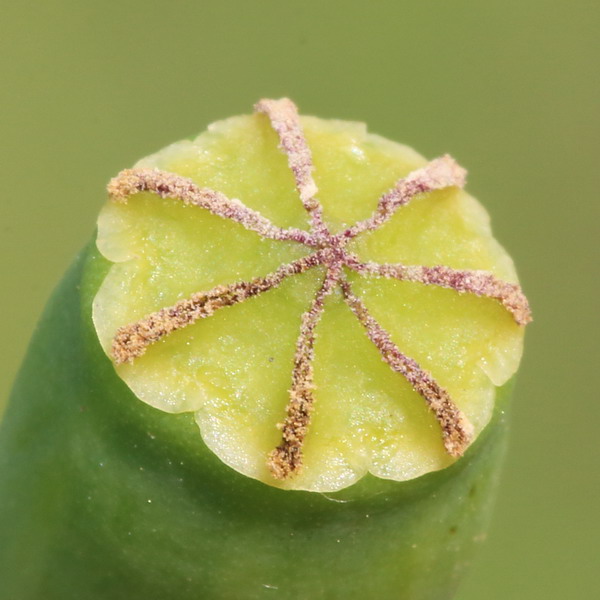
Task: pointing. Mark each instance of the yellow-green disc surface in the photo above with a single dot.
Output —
(233, 369)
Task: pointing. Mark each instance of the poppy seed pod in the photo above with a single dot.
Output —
(281, 370)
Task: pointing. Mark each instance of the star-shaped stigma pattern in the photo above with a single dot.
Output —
(330, 251)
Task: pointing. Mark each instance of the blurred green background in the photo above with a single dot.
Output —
(510, 88)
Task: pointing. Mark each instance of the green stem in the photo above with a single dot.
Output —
(102, 496)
